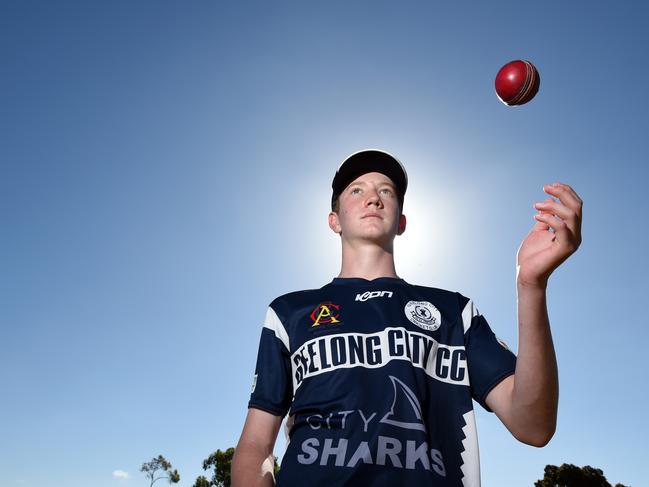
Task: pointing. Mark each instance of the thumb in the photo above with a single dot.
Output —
(540, 227)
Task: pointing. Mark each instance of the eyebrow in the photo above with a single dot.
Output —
(363, 183)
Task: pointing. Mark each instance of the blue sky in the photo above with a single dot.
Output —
(165, 172)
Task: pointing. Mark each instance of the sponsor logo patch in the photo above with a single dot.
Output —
(423, 314)
(325, 313)
(254, 383)
(373, 294)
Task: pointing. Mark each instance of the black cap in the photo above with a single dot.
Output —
(365, 161)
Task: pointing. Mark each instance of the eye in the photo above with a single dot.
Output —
(355, 190)
(387, 191)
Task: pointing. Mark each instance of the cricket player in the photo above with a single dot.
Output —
(377, 375)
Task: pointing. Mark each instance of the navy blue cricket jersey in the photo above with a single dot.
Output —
(378, 378)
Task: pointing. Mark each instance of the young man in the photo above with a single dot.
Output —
(379, 375)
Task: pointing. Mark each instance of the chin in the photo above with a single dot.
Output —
(380, 239)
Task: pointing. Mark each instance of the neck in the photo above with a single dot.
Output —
(367, 260)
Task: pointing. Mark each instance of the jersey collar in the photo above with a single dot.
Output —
(362, 281)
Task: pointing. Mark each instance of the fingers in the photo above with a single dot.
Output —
(568, 208)
(555, 223)
(555, 208)
(566, 195)
(563, 221)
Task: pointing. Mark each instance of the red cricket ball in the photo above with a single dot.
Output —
(517, 82)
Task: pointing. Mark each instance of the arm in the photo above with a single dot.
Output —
(527, 402)
(253, 460)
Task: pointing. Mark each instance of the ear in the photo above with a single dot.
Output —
(333, 223)
(402, 224)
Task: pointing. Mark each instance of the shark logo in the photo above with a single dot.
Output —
(408, 451)
(405, 402)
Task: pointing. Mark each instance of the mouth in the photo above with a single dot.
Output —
(373, 215)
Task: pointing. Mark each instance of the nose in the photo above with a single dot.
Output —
(373, 198)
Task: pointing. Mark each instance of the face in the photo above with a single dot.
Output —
(368, 210)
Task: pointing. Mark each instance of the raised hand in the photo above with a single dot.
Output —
(554, 237)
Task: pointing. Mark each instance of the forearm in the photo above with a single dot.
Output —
(535, 391)
(252, 466)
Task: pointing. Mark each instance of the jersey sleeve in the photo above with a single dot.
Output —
(488, 358)
(272, 389)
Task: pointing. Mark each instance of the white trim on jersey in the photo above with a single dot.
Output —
(273, 323)
(470, 456)
(468, 313)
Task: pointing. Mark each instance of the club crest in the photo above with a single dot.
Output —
(423, 314)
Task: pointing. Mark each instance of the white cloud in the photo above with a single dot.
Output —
(120, 474)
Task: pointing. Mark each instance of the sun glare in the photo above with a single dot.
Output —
(425, 250)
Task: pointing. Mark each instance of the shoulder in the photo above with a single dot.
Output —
(443, 295)
(454, 304)
(293, 301)
(295, 298)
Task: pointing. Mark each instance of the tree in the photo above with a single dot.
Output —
(201, 481)
(221, 462)
(568, 475)
(160, 463)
